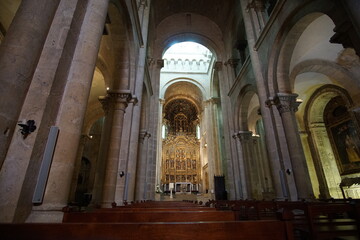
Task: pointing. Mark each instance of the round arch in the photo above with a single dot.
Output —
(325, 175)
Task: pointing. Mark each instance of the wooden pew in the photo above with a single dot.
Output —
(137, 209)
(259, 230)
(335, 220)
(311, 220)
(148, 216)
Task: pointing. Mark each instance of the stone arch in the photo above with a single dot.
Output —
(326, 174)
(336, 73)
(242, 107)
(197, 84)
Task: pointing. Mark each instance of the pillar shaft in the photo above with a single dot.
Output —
(119, 103)
(241, 178)
(287, 106)
(19, 55)
(272, 146)
(70, 116)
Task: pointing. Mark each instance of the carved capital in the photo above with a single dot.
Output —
(160, 63)
(119, 99)
(257, 5)
(142, 4)
(284, 102)
(232, 62)
(218, 66)
(104, 100)
(244, 136)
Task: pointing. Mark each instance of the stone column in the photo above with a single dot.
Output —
(142, 166)
(83, 140)
(248, 158)
(257, 9)
(210, 145)
(19, 54)
(144, 13)
(287, 106)
(159, 145)
(126, 145)
(152, 124)
(266, 113)
(23, 156)
(263, 166)
(231, 65)
(103, 152)
(240, 169)
(72, 111)
(119, 101)
(227, 157)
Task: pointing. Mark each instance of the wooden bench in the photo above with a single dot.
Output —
(327, 221)
(139, 209)
(259, 230)
(148, 216)
(311, 220)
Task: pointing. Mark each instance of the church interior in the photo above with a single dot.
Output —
(178, 104)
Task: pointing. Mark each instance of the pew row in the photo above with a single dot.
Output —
(235, 230)
(311, 220)
(148, 216)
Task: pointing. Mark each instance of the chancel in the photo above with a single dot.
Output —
(144, 119)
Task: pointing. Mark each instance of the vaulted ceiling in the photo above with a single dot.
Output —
(218, 11)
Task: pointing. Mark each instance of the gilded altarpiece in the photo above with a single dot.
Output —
(181, 160)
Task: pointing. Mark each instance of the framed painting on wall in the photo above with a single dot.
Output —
(347, 144)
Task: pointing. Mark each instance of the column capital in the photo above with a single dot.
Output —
(213, 100)
(105, 103)
(142, 4)
(257, 5)
(244, 135)
(284, 102)
(160, 63)
(232, 62)
(218, 66)
(117, 99)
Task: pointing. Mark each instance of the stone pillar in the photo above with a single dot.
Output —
(210, 145)
(142, 166)
(19, 54)
(227, 157)
(249, 161)
(126, 145)
(152, 124)
(263, 167)
(23, 157)
(119, 101)
(266, 113)
(103, 152)
(241, 173)
(287, 106)
(72, 111)
(144, 13)
(231, 65)
(159, 145)
(83, 140)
